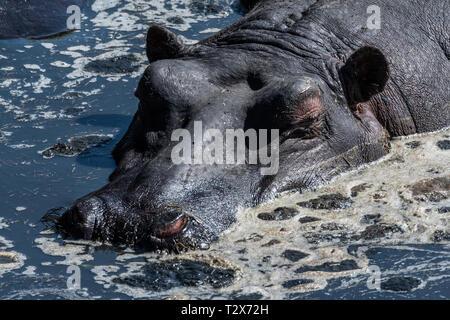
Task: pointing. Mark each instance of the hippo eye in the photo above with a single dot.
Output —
(305, 116)
(301, 116)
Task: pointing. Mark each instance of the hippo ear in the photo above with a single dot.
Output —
(162, 44)
(364, 74)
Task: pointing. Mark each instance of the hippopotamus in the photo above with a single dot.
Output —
(335, 87)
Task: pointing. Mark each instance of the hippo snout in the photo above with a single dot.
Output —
(83, 217)
(108, 218)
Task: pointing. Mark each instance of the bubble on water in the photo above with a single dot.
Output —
(39, 85)
(102, 5)
(29, 271)
(48, 45)
(74, 253)
(8, 83)
(83, 48)
(136, 15)
(33, 67)
(10, 260)
(3, 223)
(60, 64)
(281, 213)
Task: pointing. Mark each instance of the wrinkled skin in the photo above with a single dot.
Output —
(336, 91)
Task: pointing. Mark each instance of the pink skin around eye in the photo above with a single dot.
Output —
(309, 108)
(172, 228)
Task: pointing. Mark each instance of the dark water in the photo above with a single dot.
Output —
(50, 92)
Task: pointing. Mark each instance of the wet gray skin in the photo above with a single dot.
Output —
(311, 69)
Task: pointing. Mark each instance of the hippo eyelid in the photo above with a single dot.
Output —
(306, 107)
(305, 116)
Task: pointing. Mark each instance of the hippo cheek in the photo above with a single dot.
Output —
(169, 229)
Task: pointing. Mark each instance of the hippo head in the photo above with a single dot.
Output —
(317, 101)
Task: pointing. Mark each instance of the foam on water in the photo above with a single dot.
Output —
(9, 260)
(289, 259)
(178, 14)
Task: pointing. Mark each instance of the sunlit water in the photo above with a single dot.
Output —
(391, 216)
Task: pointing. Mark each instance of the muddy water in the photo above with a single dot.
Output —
(381, 231)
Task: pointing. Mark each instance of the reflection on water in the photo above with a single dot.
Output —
(392, 215)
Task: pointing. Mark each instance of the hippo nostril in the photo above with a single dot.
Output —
(168, 229)
(81, 218)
